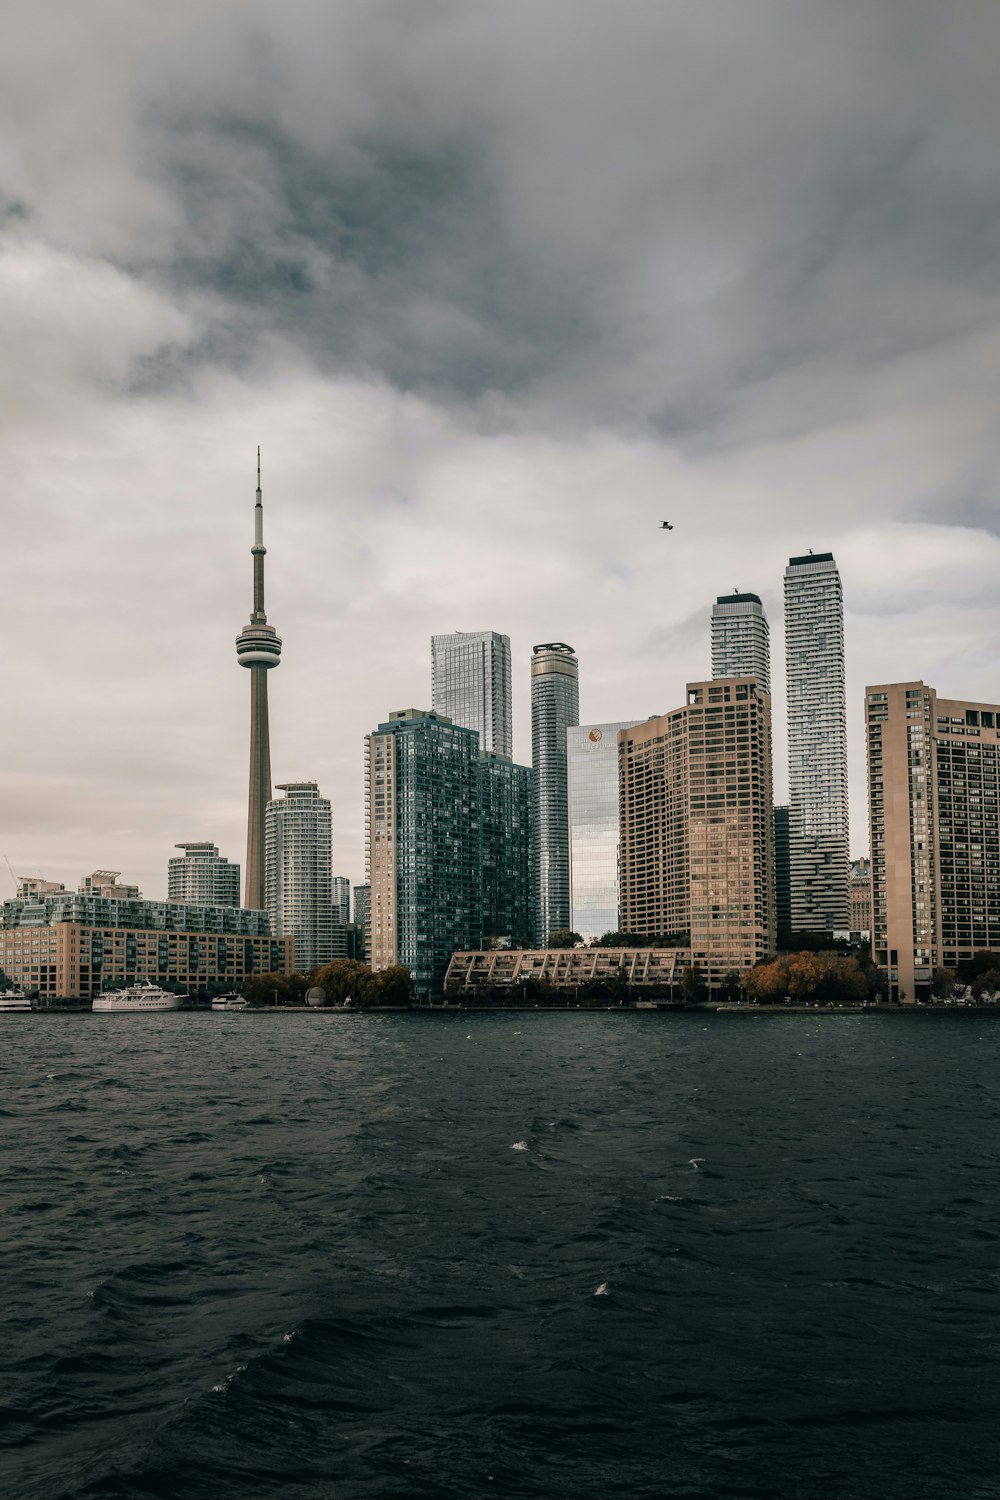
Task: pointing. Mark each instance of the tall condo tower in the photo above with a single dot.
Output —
(817, 745)
(258, 646)
(299, 882)
(555, 707)
(470, 683)
(740, 639)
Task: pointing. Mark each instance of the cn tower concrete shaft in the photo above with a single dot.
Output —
(258, 647)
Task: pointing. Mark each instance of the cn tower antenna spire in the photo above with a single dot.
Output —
(258, 647)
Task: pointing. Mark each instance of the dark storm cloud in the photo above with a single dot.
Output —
(639, 213)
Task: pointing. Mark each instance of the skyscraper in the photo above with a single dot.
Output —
(362, 917)
(505, 807)
(696, 825)
(555, 707)
(258, 647)
(934, 805)
(817, 744)
(423, 837)
(740, 639)
(201, 876)
(592, 778)
(782, 874)
(341, 888)
(299, 892)
(470, 684)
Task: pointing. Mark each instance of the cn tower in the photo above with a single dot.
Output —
(258, 646)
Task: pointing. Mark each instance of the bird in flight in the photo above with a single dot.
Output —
(666, 525)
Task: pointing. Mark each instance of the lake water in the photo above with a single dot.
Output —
(522, 1255)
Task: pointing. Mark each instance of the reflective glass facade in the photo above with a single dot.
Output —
(470, 684)
(592, 779)
(505, 796)
(422, 797)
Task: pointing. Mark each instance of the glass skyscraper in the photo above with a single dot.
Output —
(817, 745)
(740, 639)
(555, 707)
(505, 803)
(422, 804)
(297, 871)
(592, 779)
(470, 684)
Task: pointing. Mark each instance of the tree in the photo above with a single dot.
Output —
(765, 981)
(564, 937)
(731, 988)
(394, 986)
(694, 990)
(346, 979)
(275, 989)
(942, 983)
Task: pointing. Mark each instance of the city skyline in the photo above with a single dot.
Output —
(777, 333)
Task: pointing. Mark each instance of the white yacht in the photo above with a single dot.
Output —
(229, 1002)
(138, 997)
(14, 1002)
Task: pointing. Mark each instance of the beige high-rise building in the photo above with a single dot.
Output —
(696, 808)
(934, 801)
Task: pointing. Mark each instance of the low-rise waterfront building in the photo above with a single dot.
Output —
(566, 968)
(70, 945)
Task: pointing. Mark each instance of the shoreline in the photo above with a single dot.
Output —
(648, 1009)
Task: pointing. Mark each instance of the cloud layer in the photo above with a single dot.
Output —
(495, 287)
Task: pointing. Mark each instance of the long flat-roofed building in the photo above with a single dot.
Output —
(71, 945)
(934, 805)
(696, 812)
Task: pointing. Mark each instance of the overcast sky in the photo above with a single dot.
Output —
(496, 285)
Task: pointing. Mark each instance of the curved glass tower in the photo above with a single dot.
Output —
(555, 707)
(258, 647)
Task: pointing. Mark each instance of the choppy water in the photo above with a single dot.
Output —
(517, 1255)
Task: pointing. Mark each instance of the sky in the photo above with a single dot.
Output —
(496, 286)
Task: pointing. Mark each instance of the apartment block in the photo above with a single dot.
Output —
(696, 835)
(934, 805)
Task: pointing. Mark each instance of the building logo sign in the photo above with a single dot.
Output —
(595, 736)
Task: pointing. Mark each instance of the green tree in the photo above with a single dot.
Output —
(942, 983)
(564, 937)
(731, 988)
(346, 979)
(394, 986)
(694, 990)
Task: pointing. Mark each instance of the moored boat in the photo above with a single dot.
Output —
(145, 996)
(14, 1003)
(229, 1002)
